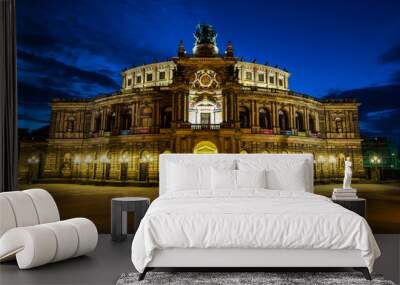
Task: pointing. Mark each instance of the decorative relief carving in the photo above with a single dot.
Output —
(205, 79)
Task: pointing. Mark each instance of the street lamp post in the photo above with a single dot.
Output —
(375, 161)
(77, 163)
(332, 161)
(315, 169)
(124, 167)
(32, 161)
(104, 160)
(321, 161)
(88, 161)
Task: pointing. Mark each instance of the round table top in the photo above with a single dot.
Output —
(130, 199)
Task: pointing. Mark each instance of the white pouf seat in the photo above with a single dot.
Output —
(31, 230)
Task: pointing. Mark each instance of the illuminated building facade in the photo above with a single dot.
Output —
(203, 102)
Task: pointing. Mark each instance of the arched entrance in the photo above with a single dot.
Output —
(124, 161)
(144, 163)
(205, 147)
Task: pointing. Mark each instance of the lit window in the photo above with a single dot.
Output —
(249, 75)
(162, 75)
(272, 80)
(280, 82)
(129, 81)
(138, 79)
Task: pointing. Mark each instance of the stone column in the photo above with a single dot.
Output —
(236, 111)
(231, 108)
(306, 121)
(224, 108)
(174, 112)
(185, 107)
(251, 115)
(134, 112)
(155, 116)
(275, 118)
(103, 119)
(257, 114)
(92, 121)
(293, 120)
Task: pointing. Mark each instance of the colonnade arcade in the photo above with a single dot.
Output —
(206, 112)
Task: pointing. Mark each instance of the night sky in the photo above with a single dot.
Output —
(332, 48)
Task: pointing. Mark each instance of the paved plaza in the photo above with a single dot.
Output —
(93, 202)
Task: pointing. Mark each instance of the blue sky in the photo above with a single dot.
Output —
(337, 48)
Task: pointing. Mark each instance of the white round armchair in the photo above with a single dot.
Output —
(31, 230)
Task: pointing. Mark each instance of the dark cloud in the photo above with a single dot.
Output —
(372, 99)
(53, 68)
(32, 97)
(379, 121)
(26, 117)
(395, 78)
(379, 110)
(34, 104)
(391, 56)
(43, 42)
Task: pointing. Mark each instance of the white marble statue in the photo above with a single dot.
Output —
(347, 174)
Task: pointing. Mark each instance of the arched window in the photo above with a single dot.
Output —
(111, 121)
(70, 124)
(97, 122)
(126, 121)
(299, 122)
(283, 120)
(264, 119)
(338, 125)
(166, 117)
(146, 116)
(311, 124)
(244, 117)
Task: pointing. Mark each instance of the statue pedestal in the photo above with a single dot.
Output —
(344, 194)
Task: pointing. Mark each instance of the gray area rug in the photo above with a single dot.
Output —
(273, 278)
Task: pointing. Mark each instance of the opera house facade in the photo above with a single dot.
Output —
(205, 101)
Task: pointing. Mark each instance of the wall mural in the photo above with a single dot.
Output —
(108, 145)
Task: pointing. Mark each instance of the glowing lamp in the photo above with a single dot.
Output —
(88, 159)
(332, 159)
(77, 159)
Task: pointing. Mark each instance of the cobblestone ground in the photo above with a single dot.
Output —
(94, 202)
(383, 204)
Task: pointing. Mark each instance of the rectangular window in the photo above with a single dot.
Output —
(162, 75)
(129, 81)
(138, 79)
(272, 80)
(149, 77)
(249, 75)
(280, 82)
(261, 77)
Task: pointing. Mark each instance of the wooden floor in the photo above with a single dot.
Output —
(110, 259)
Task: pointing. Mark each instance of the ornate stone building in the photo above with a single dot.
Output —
(201, 102)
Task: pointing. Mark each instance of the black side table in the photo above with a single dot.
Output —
(119, 209)
(357, 205)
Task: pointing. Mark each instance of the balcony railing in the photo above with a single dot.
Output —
(315, 135)
(286, 133)
(201, 127)
(266, 131)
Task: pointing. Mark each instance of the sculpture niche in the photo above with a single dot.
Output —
(205, 41)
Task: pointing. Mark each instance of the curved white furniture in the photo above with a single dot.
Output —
(31, 230)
